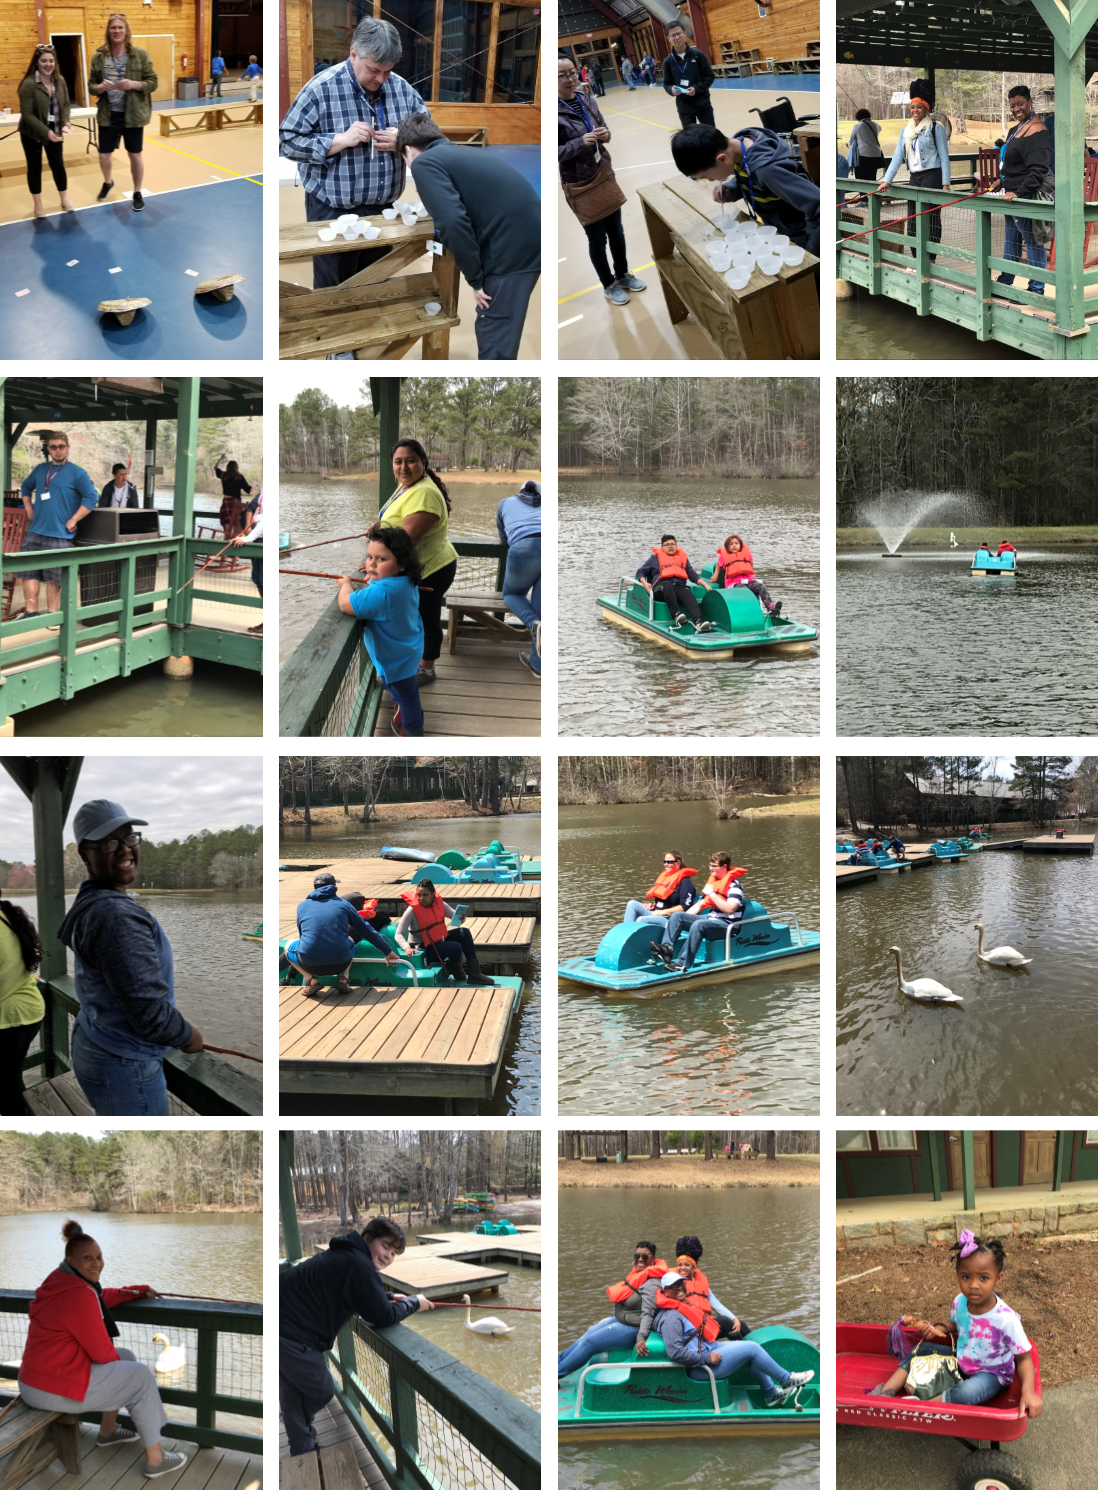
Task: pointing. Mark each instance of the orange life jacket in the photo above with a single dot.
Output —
(667, 882)
(698, 1291)
(720, 883)
(431, 920)
(1006, 548)
(737, 566)
(368, 909)
(619, 1293)
(672, 566)
(705, 1325)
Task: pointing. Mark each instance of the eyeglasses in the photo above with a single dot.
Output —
(58, 445)
(641, 1257)
(568, 75)
(671, 861)
(108, 846)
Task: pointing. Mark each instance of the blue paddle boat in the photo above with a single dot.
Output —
(738, 622)
(368, 968)
(989, 566)
(508, 855)
(486, 869)
(947, 849)
(625, 964)
(411, 856)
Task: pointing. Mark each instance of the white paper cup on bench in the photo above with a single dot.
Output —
(793, 254)
(327, 234)
(433, 307)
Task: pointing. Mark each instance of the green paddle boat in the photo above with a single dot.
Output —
(619, 1395)
(737, 622)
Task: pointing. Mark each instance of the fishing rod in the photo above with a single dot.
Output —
(164, 1294)
(224, 1051)
(889, 227)
(206, 566)
(442, 1304)
(317, 574)
(321, 542)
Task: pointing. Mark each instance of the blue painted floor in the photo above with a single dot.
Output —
(527, 160)
(212, 229)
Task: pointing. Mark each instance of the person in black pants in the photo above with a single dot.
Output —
(595, 70)
(22, 1008)
(43, 123)
(686, 67)
(424, 925)
(669, 574)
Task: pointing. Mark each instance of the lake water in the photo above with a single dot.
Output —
(1025, 1040)
(922, 648)
(215, 700)
(752, 1046)
(874, 327)
(613, 682)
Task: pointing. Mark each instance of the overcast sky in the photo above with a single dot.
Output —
(179, 795)
(339, 383)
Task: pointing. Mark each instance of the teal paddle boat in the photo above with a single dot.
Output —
(970, 845)
(368, 968)
(507, 855)
(947, 849)
(619, 1395)
(625, 964)
(256, 936)
(989, 566)
(284, 545)
(486, 869)
(738, 623)
(496, 1229)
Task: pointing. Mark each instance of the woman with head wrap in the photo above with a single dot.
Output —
(922, 147)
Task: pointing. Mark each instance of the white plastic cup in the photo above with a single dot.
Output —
(369, 231)
(389, 212)
(421, 210)
(433, 307)
(779, 242)
(738, 277)
(350, 232)
(770, 263)
(327, 234)
(793, 255)
(767, 231)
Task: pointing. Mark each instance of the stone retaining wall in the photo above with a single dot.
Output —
(1057, 1217)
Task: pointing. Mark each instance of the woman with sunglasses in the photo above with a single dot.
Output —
(634, 1301)
(672, 890)
(128, 1021)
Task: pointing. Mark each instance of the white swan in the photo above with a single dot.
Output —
(923, 989)
(1003, 957)
(489, 1326)
(171, 1359)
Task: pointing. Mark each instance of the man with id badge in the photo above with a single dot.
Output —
(63, 493)
(688, 77)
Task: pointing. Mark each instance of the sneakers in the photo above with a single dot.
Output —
(678, 619)
(137, 202)
(631, 282)
(120, 1436)
(173, 1460)
(425, 675)
(256, 631)
(616, 295)
(775, 611)
(797, 1379)
(23, 615)
(527, 661)
(664, 953)
(703, 626)
(105, 190)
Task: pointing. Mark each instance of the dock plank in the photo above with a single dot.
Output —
(482, 689)
(424, 1271)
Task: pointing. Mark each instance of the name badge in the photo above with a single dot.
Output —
(436, 247)
(43, 496)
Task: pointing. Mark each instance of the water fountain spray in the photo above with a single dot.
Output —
(895, 514)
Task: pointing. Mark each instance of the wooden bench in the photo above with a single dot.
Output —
(208, 116)
(63, 1097)
(334, 1468)
(31, 1439)
(466, 134)
(482, 608)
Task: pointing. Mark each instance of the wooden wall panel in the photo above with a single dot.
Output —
(783, 33)
(508, 124)
(20, 34)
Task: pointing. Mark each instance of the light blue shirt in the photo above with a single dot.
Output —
(58, 492)
(929, 150)
(394, 633)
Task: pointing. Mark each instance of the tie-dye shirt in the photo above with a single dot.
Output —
(989, 1343)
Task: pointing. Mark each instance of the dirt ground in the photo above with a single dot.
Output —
(802, 807)
(406, 812)
(691, 1173)
(1052, 1289)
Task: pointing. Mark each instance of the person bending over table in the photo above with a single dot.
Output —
(756, 166)
(125, 80)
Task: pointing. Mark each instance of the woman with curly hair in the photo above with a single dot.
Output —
(389, 605)
(22, 1008)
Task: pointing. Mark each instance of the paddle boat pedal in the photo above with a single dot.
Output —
(123, 310)
(620, 1396)
(739, 622)
(625, 964)
(221, 286)
(988, 566)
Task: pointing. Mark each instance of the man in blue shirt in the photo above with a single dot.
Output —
(63, 494)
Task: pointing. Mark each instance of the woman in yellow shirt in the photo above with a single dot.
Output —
(22, 1008)
(421, 506)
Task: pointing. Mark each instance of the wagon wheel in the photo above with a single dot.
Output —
(993, 1470)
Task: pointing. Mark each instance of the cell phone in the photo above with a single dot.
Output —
(459, 916)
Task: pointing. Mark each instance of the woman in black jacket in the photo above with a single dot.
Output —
(317, 1298)
(1024, 160)
(43, 124)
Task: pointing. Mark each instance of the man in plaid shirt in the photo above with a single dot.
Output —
(342, 127)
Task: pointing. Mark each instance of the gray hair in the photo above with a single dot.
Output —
(378, 41)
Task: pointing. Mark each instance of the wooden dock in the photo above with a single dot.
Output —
(208, 1468)
(446, 1043)
(482, 689)
(424, 1271)
(524, 1247)
(522, 900)
(63, 1097)
(850, 874)
(341, 1451)
(1066, 844)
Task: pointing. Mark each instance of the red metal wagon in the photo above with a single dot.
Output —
(863, 1359)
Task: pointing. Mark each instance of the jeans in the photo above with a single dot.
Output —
(127, 1384)
(215, 86)
(305, 1386)
(1017, 231)
(735, 1354)
(15, 1042)
(608, 231)
(676, 594)
(867, 170)
(405, 693)
(55, 155)
(119, 1086)
(702, 929)
(457, 943)
(925, 178)
(638, 911)
(433, 589)
(606, 1335)
(522, 574)
(979, 1388)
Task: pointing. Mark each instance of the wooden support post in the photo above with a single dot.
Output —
(183, 499)
(206, 1378)
(969, 1189)
(386, 393)
(982, 224)
(873, 220)
(127, 583)
(1058, 1157)
(66, 637)
(148, 499)
(923, 261)
(662, 243)
(1068, 205)
(288, 1212)
(936, 1173)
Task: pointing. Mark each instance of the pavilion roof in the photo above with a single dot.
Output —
(1008, 36)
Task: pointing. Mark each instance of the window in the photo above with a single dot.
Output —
(1091, 1138)
(892, 1140)
(415, 23)
(857, 1140)
(877, 1141)
(517, 40)
(463, 57)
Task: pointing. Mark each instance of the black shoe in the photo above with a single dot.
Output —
(704, 626)
(105, 190)
(678, 620)
(138, 202)
(663, 953)
(776, 611)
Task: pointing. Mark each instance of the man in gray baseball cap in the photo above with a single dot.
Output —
(123, 973)
(328, 929)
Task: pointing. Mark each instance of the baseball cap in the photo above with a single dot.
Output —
(670, 1278)
(325, 879)
(97, 819)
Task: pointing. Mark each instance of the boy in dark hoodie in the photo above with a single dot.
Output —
(758, 167)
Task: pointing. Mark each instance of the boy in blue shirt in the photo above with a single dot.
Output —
(63, 494)
(389, 604)
(217, 69)
(251, 74)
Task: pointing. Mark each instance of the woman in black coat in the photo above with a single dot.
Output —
(1024, 161)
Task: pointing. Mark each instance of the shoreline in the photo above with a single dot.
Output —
(406, 812)
(470, 475)
(1069, 536)
(693, 474)
(690, 1173)
(800, 805)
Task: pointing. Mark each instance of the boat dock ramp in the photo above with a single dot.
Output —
(522, 1247)
(920, 854)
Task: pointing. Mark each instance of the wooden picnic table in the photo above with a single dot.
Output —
(808, 138)
(209, 116)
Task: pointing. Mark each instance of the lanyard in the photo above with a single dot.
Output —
(51, 474)
(747, 184)
(361, 98)
(398, 493)
(682, 65)
(578, 103)
(1020, 132)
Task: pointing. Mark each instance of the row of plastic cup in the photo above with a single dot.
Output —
(768, 250)
(351, 226)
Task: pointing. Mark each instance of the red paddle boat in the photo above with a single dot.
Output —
(863, 1359)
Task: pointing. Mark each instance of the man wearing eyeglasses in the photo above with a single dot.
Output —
(63, 494)
(673, 890)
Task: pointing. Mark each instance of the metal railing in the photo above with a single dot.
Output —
(641, 1366)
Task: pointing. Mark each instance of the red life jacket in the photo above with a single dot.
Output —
(737, 566)
(431, 920)
(619, 1293)
(705, 1325)
(667, 882)
(368, 909)
(1006, 548)
(672, 566)
(698, 1292)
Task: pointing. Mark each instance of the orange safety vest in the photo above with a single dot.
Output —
(699, 1286)
(737, 566)
(429, 919)
(368, 909)
(619, 1293)
(1006, 548)
(672, 566)
(705, 1325)
(721, 883)
(666, 882)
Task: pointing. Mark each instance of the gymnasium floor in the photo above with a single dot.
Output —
(641, 125)
(526, 159)
(202, 217)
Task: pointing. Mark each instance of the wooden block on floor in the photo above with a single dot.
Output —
(302, 1473)
(339, 1468)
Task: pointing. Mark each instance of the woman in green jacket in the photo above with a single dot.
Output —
(43, 122)
(124, 78)
(22, 1008)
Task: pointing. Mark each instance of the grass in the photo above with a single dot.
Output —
(971, 538)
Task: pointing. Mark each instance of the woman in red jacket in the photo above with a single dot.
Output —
(70, 1362)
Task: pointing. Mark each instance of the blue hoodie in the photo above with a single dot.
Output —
(394, 635)
(329, 928)
(772, 170)
(519, 517)
(123, 974)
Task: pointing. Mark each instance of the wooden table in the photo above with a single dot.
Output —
(484, 608)
(808, 138)
(208, 116)
(376, 313)
(771, 317)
